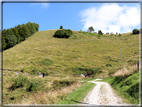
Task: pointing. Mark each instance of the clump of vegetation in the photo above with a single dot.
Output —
(23, 82)
(15, 35)
(91, 29)
(132, 62)
(86, 71)
(10, 40)
(108, 65)
(135, 31)
(126, 86)
(64, 33)
(58, 84)
(100, 32)
(61, 27)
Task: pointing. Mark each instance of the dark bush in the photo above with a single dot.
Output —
(61, 27)
(20, 81)
(32, 86)
(63, 33)
(100, 32)
(108, 65)
(34, 71)
(135, 31)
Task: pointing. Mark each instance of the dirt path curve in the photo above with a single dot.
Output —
(102, 94)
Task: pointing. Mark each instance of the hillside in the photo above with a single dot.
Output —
(59, 56)
(63, 60)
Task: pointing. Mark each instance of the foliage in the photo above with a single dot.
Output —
(16, 33)
(100, 32)
(91, 28)
(61, 27)
(128, 87)
(4, 44)
(31, 27)
(108, 65)
(86, 71)
(23, 82)
(24, 32)
(58, 84)
(63, 33)
(135, 31)
(11, 40)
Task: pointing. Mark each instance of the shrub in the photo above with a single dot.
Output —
(135, 31)
(63, 33)
(20, 81)
(32, 86)
(108, 65)
(58, 84)
(34, 71)
(100, 32)
(61, 27)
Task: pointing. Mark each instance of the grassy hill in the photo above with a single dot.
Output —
(62, 59)
(59, 56)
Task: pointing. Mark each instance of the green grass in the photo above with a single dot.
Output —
(126, 87)
(77, 95)
(56, 55)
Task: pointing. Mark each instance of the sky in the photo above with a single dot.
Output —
(107, 17)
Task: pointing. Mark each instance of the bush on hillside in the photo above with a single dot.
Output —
(100, 32)
(61, 27)
(63, 33)
(135, 31)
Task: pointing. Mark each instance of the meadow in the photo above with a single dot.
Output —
(61, 59)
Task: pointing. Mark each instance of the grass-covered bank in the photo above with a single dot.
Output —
(21, 89)
(77, 95)
(127, 87)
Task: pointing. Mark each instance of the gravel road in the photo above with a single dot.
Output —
(102, 94)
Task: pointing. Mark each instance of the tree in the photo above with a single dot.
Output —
(24, 32)
(4, 44)
(61, 27)
(100, 32)
(36, 26)
(16, 33)
(31, 27)
(91, 29)
(135, 31)
(11, 40)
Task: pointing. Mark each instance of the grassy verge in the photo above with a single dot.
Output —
(127, 87)
(77, 95)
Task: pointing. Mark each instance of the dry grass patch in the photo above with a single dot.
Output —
(51, 97)
(126, 71)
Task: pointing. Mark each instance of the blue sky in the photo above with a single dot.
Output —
(108, 17)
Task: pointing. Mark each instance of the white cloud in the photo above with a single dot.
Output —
(111, 18)
(43, 4)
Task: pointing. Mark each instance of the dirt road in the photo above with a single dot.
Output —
(102, 94)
